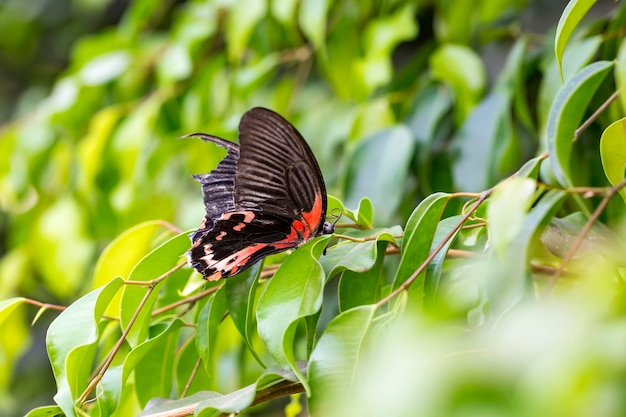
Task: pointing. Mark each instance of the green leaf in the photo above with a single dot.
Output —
(613, 153)
(156, 263)
(577, 56)
(209, 319)
(334, 361)
(240, 297)
(159, 348)
(460, 68)
(507, 209)
(387, 156)
(312, 19)
(620, 73)
(418, 236)
(209, 404)
(293, 293)
(508, 275)
(477, 143)
(435, 267)
(8, 306)
(121, 255)
(572, 15)
(243, 18)
(46, 411)
(365, 213)
(360, 288)
(72, 341)
(357, 257)
(566, 114)
(381, 36)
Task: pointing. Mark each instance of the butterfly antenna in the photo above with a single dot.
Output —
(336, 213)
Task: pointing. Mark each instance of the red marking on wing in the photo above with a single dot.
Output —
(233, 262)
(313, 217)
(248, 215)
(301, 230)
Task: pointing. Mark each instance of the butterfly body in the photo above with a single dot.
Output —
(266, 196)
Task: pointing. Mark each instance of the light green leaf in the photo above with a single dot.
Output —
(335, 359)
(208, 321)
(312, 19)
(240, 297)
(507, 208)
(357, 257)
(156, 263)
(508, 276)
(460, 68)
(46, 411)
(418, 236)
(159, 348)
(435, 267)
(105, 68)
(175, 65)
(293, 293)
(72, 342)
(572, 15)
(613, 153)
(566, 114)
(243, 18)
(620, 73)
(358, 288)
(121, 255)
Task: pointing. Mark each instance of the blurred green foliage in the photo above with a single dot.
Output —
(399, 100)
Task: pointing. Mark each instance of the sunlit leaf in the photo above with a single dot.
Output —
(460, 68)
(416, 243)
(209, 319)
(72, 341)
(293, 293)
(334, 361)
(152, 266)
(613, 153)
(566, 114)
(572, 15)
(507, 207)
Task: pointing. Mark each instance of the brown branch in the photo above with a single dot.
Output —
(595, 115)
(190, 299)
(44, 305)
(194, 371)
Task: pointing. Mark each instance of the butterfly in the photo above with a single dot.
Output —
(266, 196)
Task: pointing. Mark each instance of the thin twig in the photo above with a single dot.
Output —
(595, 115)
(191, 377)
(190, 299)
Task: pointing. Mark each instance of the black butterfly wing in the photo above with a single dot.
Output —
(264, 197)
(218, 186)
(277, 171)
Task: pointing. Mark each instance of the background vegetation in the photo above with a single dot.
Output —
(488, 134)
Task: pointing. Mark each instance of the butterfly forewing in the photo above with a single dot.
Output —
(267, 195)
(277, 170)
